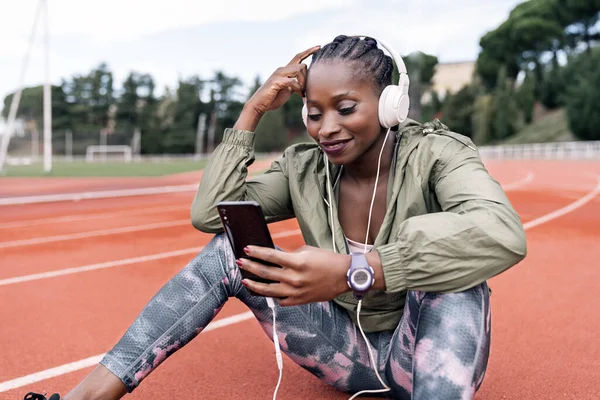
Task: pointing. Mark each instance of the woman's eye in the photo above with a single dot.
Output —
(314, 117)
(347, 110)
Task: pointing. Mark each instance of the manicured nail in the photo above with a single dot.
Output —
(238, 263)
(246, 250)
(244, 282)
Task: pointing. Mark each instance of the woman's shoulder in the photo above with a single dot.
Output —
(433, 138)
(303, 152)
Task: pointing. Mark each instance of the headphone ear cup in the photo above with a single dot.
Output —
(393, 105)
(304, 112)
(387, 115)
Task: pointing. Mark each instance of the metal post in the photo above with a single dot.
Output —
(69, 145)
(47, 97)
(12, 114)
(200, 135)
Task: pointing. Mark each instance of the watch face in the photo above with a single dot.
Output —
(361, 279)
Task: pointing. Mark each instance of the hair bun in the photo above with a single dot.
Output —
(340, 39)
(370, 41)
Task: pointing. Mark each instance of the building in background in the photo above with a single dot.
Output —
(449, 78)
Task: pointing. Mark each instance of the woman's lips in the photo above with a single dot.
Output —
(334, 148)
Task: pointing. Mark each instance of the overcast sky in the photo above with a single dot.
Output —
(179, 38)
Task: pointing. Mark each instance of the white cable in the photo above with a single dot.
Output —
(375, 190)
(278, 356)
(373, 363)
(330, 204)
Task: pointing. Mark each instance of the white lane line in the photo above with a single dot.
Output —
(101, 232)
(92, 267)
(564, 210)
(104, 194)
(94, 360)
(118, 263)
(519, 183)
(87, 217)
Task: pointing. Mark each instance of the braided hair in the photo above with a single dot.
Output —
(371, 61)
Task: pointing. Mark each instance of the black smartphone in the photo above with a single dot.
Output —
(245, 225)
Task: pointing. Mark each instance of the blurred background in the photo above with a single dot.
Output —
(138, 81)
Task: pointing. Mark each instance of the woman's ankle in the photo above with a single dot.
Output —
(100, 384)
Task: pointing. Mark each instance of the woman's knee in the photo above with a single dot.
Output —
(215, 263)
(453, 334)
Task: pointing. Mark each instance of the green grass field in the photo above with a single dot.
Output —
(81, 168)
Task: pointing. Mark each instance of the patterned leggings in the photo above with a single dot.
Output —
(439, 350)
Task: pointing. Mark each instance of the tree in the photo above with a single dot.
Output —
(30, 105)
(553, 86)
(90, 98)
(497, 50)
(583, 98)
(271, 133)
(458, 110)
(483, 113)
(180, 135)
(584, 15)
(526, 97)
(506, 113)
(225, 101)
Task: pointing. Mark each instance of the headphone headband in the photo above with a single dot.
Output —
(395, 56)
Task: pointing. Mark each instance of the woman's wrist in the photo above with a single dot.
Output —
(343, 264)
(248, 119)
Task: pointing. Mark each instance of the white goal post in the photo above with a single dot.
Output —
(104, 150)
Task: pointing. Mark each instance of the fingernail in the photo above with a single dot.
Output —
(239, 263)
(244, 282)
(246, 250)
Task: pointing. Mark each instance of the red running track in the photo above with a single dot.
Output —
(545, 343)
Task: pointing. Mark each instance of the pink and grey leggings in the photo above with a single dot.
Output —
(438, 351)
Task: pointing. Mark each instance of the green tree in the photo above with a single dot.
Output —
(432, 107)
(458, 110)
(553, 86)
(271, 133)
(483, 114)
(497, 50)
(225, 101)
(506, 112)
(526, 97)
(30, 105)
(90, 97)
(180, 136)
(584, 15)
(583, 98)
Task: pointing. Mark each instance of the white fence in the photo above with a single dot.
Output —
(544, 151)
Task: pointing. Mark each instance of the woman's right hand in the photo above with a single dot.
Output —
(276, 90)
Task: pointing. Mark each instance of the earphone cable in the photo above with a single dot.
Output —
(278, 357)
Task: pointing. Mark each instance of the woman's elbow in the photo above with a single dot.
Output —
(516, 242)
(204, 220)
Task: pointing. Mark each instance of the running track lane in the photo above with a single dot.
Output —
(241, 368)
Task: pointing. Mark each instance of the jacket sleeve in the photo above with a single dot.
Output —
(224, 179)
(477, 235)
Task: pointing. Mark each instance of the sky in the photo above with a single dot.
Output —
(181, 38)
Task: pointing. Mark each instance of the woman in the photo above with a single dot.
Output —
(437, 227)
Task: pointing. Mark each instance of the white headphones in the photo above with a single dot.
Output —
(394, 102)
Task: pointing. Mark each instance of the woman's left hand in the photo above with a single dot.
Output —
(309, 274)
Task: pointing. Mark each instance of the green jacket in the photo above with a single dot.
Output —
(448, 224)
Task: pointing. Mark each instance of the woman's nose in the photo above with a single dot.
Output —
(329, 126)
